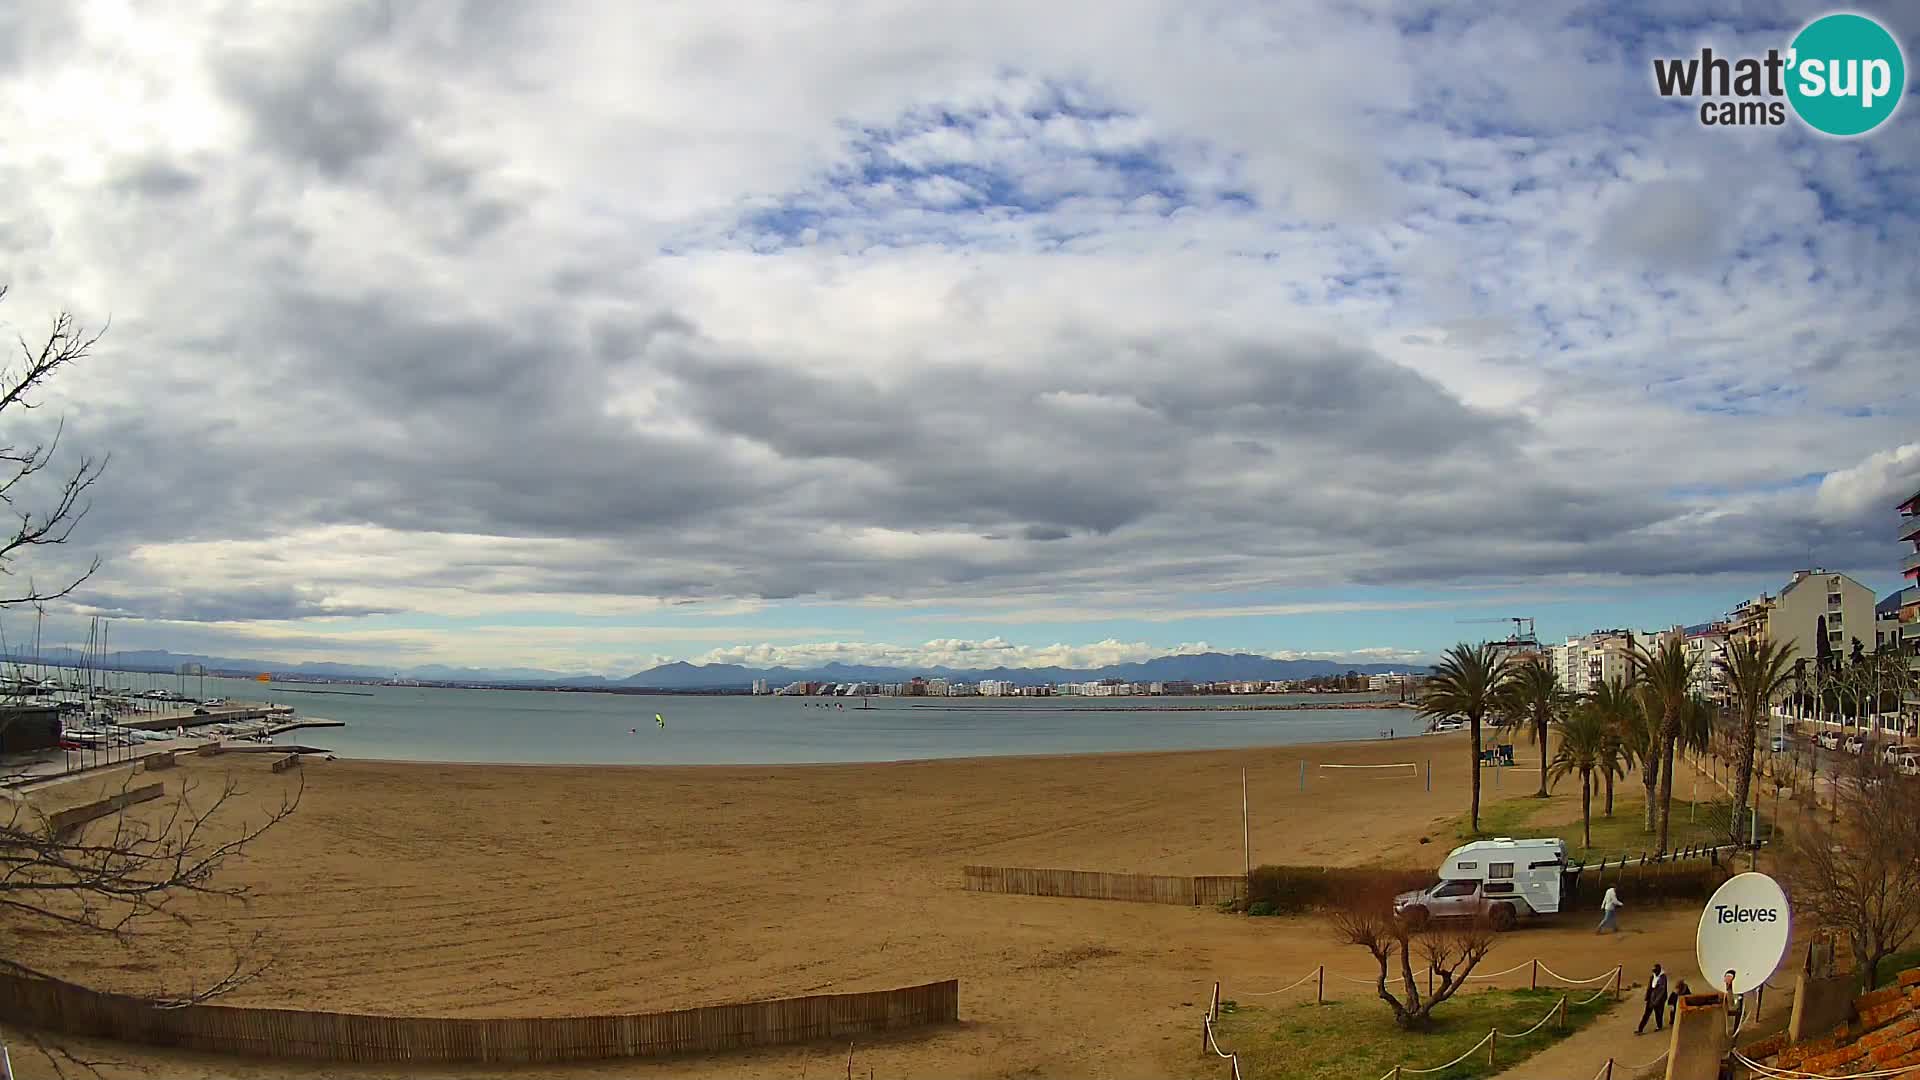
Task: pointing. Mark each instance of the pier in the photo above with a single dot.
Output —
(219, 714)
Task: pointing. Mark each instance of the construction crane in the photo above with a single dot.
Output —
(1523, 636)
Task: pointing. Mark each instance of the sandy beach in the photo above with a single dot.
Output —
(508, 890)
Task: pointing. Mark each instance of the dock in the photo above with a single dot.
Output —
(220, 714)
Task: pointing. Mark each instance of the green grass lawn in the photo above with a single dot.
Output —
(1622, 834)
(1356, 1039)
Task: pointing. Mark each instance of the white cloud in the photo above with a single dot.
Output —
(963, 654)
(467, 316)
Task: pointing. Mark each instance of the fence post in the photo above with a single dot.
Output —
(1536, 975)
(1618, 969)
(1213, 1007)
(1320, 992)
(1609, 1069)
(1493, 1041)
(1206, 1040)
(1563, 1012)
(1429, 982)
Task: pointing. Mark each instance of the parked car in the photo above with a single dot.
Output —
(1782, 744)
(201, 712)
(1909, 763)
(1891, 752)
(1829, 740)
(1855, 744)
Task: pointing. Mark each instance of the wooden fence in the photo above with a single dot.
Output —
(67, 820)
(50, 1005)
(1096, 885)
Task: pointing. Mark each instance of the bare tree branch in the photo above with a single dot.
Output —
(1449, 951)
(1860, 872)
(65, 343)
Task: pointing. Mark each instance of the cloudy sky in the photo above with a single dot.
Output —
(581, 335)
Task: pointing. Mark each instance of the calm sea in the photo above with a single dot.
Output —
(416, 723)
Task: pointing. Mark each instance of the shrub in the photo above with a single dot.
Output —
(1290, 890)
(1693, 879)
(1260, 907)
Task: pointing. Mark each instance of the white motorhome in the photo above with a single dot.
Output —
(1502, 880)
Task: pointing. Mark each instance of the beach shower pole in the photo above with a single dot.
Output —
(1246, 831)
(1303, 774)
(1429, 774)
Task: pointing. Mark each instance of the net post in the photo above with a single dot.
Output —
(1536, 976)
(1320, 991)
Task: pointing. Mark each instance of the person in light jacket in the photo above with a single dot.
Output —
(1610, 906)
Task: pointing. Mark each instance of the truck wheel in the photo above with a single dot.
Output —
(1503, 917)
(1416, 916)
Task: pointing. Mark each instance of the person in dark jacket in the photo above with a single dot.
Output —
(1673, 1000)
(1656, 1009)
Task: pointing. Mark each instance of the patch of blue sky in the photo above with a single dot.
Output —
(1051, 155)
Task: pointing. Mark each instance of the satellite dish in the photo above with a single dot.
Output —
(1744, 929)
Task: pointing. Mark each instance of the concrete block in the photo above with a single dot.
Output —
(1699, 1040)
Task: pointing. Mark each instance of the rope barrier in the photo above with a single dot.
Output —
(1597, 995)
(1233, 1060)
(1509, 971)
(1650, 1064)
(1538, 1024)
(1470, 1050)
(1284, 989)
(1390, 765)
(1579, 982)
(1794, 1074)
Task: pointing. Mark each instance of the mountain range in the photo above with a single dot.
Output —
(1197, 667)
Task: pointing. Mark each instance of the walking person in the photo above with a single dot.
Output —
(1656, 1009)
(1610, 906)
(1680, 990)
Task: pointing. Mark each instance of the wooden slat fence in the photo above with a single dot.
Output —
(51, 1005)
(1098, 885)
(72, 818)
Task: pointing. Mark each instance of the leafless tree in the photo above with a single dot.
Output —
(115, 874)
(1407, 951)
(65, 343)
(1859, 873)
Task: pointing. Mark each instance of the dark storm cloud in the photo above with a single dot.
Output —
(157, 180)
(313, 106)
(224, 605)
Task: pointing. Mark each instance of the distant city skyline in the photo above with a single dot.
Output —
(508, 337)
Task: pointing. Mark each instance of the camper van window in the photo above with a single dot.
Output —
(1468, 865)
(1500, 870)
(1455, 888)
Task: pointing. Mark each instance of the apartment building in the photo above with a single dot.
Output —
(1910, 598)
(1706, 644)
(1817, 601)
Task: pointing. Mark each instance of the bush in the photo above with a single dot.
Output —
(1694, 879)
(1295, 890)
(1291, 890)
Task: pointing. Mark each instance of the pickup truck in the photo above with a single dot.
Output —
(1496, 901)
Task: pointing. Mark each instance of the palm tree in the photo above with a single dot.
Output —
(1469, 681)
(1667, 675)
(1619, 710)
(1755, 671)
(1534, 700)
(1584, 750)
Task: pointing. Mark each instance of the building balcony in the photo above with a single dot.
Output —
(1909, 527)
(1911, 564)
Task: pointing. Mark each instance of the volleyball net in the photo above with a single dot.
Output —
(1390, 771)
